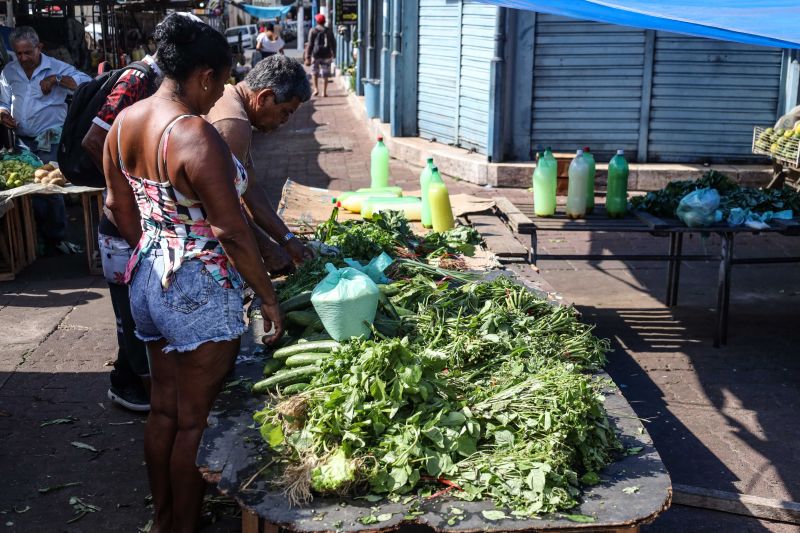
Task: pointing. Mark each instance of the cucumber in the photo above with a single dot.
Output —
(296, 303)
(305, 347)
(295, 388)
(287, 376)
(303, 359)
(272, 366)
(402, 311)
(301, 318)
(387, 306)
(389, 289)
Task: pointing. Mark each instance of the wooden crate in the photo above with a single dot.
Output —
(91, 221)
(17, 238)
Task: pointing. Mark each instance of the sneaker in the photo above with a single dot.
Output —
(130, 397)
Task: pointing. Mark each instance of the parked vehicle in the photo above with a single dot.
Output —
(248, 33)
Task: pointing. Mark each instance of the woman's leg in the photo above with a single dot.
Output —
(160, 431)
(200, 375)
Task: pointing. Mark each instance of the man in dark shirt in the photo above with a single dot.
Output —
(130, 378)
(319, 53)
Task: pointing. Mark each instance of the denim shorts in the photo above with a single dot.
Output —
(193, 310)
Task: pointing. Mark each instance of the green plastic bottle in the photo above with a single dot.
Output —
(379, 168)
(544, 186)
(617, 188)
(439, 198)
(424, 181)
(592, 171)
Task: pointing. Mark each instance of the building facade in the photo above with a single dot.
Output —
(502, 82)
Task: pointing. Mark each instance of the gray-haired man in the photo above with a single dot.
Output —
(264, 100)
(33, 92)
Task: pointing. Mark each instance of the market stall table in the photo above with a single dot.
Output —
(232, 454)
(519, 217)
(18, 240)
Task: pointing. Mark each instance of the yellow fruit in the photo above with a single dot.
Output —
(774, 147)
(788, 134)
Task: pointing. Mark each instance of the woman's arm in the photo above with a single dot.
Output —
(120, 199)
(198, 155)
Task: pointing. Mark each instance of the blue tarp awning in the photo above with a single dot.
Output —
(761, 22)
(265, 12)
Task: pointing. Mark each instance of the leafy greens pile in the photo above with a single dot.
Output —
(390, 232)
(664, 202)
(484, 389)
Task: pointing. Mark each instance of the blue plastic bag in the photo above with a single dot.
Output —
(374, 269)
(700, 208)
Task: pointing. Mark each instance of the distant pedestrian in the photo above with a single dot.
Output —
(269, 43)
(319, 53)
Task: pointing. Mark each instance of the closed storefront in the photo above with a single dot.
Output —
(455, 50)
(660, 96)
(706, 97)
(587, 85)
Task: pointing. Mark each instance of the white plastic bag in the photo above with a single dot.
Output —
(700, 208)
(346, 302)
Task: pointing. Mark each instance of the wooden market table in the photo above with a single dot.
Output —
(18, 239)
(521, 219)
(232, 454)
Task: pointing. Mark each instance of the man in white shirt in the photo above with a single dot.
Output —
(33, 92)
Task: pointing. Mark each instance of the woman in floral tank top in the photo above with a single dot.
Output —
(174, 189)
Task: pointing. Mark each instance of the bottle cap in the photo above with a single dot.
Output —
(548, 149)
(620, 152)
(430, 160)
(380, 138)
(435, 169)
(579, 152)
(586, 149)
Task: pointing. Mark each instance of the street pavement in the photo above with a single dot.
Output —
(721, 418)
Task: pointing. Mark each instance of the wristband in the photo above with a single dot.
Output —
(288, 237)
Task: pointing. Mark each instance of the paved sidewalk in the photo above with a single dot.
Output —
(721, 418)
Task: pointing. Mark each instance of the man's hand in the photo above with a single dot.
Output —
(7, 120)
(272, 319)
(47, 84)
(298, 251)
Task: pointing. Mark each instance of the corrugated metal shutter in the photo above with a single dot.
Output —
(587, 85)
(439, 37)
(707, 95)
(477, 49)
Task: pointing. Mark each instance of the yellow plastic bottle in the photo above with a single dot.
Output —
(410, 206)
(353, 202)
(439, 198)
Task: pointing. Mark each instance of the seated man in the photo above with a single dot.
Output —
(33, 92)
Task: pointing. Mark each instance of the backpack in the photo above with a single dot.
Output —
(73, 161)
(321, 50)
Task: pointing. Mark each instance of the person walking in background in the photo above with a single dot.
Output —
(174, 189)
(33, 92)
(269, 43)
(319, 53)
(130, 378)
(266, 99)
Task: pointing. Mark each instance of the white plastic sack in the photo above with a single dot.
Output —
(346, 302)
(700, 208)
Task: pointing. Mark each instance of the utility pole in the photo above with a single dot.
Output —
(301, 38)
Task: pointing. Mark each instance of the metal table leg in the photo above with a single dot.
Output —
(533, 253)
(671, 269)
(724, 290)
(676, 272)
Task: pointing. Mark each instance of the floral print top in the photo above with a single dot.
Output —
(177, 225)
